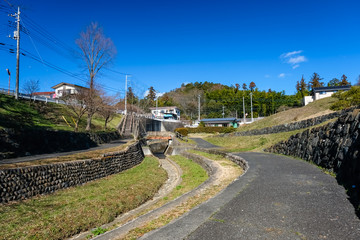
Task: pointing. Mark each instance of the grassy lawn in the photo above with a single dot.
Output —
(26, 114)
(70, 211)
(254, 143)
(314, 109)
(193, 175)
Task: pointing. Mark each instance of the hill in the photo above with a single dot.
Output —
(314, 109)
(24, 114)
(216, 98)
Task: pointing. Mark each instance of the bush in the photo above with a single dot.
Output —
(211, 130)
(346, 99)
(182, 131)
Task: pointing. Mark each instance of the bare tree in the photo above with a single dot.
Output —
(31, 86)
(77, 104)
(107, 109)
(97, 52)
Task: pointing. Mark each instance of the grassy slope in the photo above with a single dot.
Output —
(77, 209)
(253, 143)
(25, 114)
(311, 110)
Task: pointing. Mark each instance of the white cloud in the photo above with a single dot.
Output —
(297, 60)
(267, 76)
(282, 75)
(293, 58)
(289, 54)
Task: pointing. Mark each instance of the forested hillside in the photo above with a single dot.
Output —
(216, 98)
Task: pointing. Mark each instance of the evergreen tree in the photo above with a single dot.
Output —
(334, 82)
(301, 86)
(344, 81)
(252, 86)
(315, 81)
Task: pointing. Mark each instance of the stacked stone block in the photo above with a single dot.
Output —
(25, 182)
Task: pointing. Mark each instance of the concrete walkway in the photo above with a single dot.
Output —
(278, 198)
(203, 144)
(58, 154)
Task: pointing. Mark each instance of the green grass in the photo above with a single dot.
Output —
(193, 176)
(317, 108)
(70, 211)
(254, 143)
(26, 114)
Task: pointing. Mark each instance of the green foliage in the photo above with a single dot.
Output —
(346, 99)
(182, 131)
(211, 130)
(98, 231)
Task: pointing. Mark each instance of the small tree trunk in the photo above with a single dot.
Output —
(106, 122)
(88, 122)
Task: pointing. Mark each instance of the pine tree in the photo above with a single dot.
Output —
(315, 81)
(344, 81)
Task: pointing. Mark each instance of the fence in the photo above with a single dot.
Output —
(34, 98)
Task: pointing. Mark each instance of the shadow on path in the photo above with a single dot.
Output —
(278, 198)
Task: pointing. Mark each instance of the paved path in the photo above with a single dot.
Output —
(278, 198)
(114, 143)
(203, 144)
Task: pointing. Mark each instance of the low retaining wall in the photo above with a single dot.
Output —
(334, 146)
(14, 143)
(25, 182)
(236, 159)
(292, 126)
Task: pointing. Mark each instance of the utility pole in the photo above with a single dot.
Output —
(199, 108)
(244, 109)
(125, 111)
(223, 112)
(8, 71)
(236, 114)
(17, 38)
(252, 117)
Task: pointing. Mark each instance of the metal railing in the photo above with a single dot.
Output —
(34, 98)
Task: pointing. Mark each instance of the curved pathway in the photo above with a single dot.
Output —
(278, 198)
(203, 144)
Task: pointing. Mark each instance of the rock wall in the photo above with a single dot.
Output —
(236, 159)
(334, 146)
(25, 182)
(292, 126)
(15, 143)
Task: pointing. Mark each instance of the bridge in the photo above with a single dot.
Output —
(138, 125)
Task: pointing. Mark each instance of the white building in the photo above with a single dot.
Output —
(62, 89)
(323, 92)
(166, 112)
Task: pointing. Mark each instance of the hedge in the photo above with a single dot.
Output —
(205, 130)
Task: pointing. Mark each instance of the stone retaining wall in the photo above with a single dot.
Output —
(292, 126)
(236, 159)
(25, 182)
(15, 143)
(334, 146)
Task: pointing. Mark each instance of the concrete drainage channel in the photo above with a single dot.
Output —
(174, 178)
(210, 166)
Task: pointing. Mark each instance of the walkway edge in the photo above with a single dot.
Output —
(190, 221)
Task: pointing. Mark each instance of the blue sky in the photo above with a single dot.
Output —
(167, 43)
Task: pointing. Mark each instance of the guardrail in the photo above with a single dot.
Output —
(34, 98)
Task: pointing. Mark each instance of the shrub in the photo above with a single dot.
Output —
(346, 99)
(211, 130)
(182, 131)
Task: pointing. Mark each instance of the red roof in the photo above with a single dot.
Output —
(43, 93)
